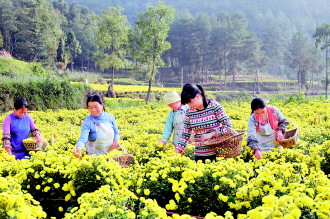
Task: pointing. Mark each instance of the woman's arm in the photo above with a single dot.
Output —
(252, 141)
(115, 128)
(282, 126)
(184, 139)
(34, 130)
(281, 119)
(223, 118)
(32, 125)
(81, 142)
(168, 129)
(6, 125)
(84, 133)
(116, 137)
(6, 134)
(6, 143)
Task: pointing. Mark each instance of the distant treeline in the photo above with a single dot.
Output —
(298, 15)
(65, 35)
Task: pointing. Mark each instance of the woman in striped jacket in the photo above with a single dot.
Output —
(206, 118)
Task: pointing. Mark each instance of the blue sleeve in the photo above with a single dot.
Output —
(168, 129)
(84, 133)
(115, 127)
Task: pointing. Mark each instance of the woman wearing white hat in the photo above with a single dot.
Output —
(175, 119)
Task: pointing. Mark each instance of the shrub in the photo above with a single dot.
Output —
(180, 184)
(43, 93)
(16, 204)
(325, 164)
(298, 98)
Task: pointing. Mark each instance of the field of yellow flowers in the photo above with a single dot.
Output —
(53, 183)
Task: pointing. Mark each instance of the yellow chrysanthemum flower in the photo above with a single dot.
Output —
(223, 197)
(146, 192)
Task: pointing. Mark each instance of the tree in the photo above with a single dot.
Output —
(322, 37)
(151, 30)
(201, 39)
(8, 24)
(180, 37)
(1, 41)
(83, 23)
(61, 55)
(220, 36)
(256, 59)
(72, 48)
(300, 56)
(274, 46)
(112, 42)
(62, 6)
(237, 38)
(87, 38)
(38, 30)
(51, 33)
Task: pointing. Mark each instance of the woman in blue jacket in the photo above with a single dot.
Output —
(175, 118)
(99, 132)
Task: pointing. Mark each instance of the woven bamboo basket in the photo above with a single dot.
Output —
(290, 137)
(124, 159)
(227, 145)
(30, 145)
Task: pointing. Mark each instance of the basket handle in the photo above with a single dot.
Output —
(123, 149)
(232, 130)
(287, 122)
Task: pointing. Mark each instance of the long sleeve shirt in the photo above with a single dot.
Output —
(174, 123)
(252, 141)
(17, 129)
(88, 130)
(212, 118)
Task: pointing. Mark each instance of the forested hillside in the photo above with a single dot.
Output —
(302, 15)
(197, 41)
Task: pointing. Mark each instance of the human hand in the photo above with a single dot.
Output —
(77, 152)
(161, 144)
(178, 151)
(279, 135)
(207, 136)
(7, 145)
(8, 150)
(114, 145)
(38, 139)
(37, 135)
(257, 154)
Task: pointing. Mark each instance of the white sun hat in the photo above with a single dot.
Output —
(171, 97)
